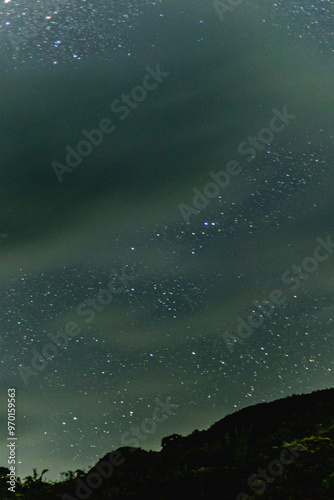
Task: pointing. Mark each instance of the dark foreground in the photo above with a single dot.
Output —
(282, 449)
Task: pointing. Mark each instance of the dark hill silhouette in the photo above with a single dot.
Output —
(278, 450)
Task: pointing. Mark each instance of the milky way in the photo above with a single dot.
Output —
(155, 297)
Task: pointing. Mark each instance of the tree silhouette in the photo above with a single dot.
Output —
(30, 480)
(166, 441)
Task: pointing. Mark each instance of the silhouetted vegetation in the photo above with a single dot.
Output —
(279, 450)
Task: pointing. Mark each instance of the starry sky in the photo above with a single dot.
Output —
(179, 284)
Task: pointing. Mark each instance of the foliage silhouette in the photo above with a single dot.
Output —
(216, 462)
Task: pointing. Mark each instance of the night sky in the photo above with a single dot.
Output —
(121, 248)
